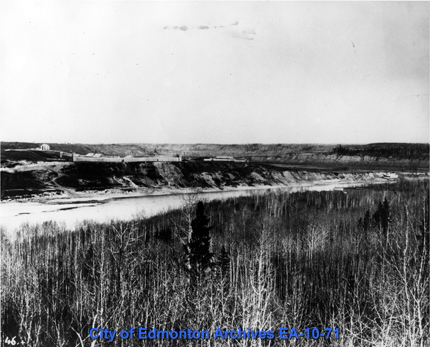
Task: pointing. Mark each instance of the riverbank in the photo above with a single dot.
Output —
(65, 182)
(69, 212)
(97, 196)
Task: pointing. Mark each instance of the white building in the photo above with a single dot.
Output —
(44, 147)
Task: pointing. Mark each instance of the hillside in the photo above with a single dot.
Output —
(405, 155)
(48, 180)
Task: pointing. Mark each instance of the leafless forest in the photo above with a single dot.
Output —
(356, 260)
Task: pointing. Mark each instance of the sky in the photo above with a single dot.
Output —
(214, 72)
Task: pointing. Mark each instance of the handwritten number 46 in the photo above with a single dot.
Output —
(12, 342)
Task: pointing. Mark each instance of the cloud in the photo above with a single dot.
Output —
(233, 29)
(200, 27)
(176, 27)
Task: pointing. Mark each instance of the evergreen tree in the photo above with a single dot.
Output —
(364, 223)
(381, 217)
(199, 248)
(224, 262)
(385, 216)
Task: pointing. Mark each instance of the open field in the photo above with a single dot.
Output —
(357, 261)
(404, 155)
(29, 156)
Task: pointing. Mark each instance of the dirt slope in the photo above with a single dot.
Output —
(72, 178)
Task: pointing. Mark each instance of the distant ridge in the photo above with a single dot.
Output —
(392, 153)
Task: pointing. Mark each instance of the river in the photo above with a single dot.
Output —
(14, 214)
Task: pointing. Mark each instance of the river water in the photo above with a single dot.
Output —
(14, 214)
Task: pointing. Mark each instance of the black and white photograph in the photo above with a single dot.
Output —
(214, 173)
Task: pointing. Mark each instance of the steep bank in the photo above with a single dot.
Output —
(83, 179)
